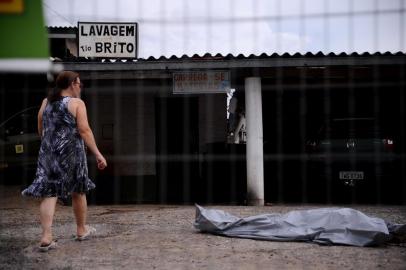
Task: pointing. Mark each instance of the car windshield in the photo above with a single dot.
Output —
(23, 123)
(350, 128)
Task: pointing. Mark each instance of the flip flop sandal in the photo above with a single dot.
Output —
(90, 231)
(47, 247)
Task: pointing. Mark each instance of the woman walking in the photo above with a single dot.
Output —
(62, 166)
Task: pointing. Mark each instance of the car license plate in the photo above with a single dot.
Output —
(351, 175)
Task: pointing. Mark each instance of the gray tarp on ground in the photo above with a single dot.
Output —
(343, 226)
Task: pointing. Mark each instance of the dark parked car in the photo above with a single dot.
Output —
(352, 160)
(19, 146)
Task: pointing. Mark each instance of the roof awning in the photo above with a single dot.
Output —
(263, 66)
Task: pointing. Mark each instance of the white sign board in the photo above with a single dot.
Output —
(108, 40)
(201, 82)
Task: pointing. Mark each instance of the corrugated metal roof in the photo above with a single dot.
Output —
(62, 30)
(263, 56)
(218, 56)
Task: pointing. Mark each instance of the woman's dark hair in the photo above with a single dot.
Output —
(63, 81)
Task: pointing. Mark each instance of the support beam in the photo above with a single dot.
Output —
(255, 151)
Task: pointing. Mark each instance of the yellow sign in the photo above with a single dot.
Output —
(11, 6)
(19, 148)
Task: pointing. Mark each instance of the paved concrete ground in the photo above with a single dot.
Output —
(162, 237)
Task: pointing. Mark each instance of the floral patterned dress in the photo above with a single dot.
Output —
(62, 164)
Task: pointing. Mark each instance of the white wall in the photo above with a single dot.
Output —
(131, 115)
(212, 118)
(133, 118)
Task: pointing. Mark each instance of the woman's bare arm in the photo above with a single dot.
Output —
(86, 132)
(40, 112)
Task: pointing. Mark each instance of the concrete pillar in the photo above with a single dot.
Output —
(255, 151)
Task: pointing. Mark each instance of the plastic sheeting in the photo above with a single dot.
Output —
(343, 226)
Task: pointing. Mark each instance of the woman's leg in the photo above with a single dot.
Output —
(79, 204)
(47, 211)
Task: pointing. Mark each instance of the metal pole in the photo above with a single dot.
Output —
(255, 155)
